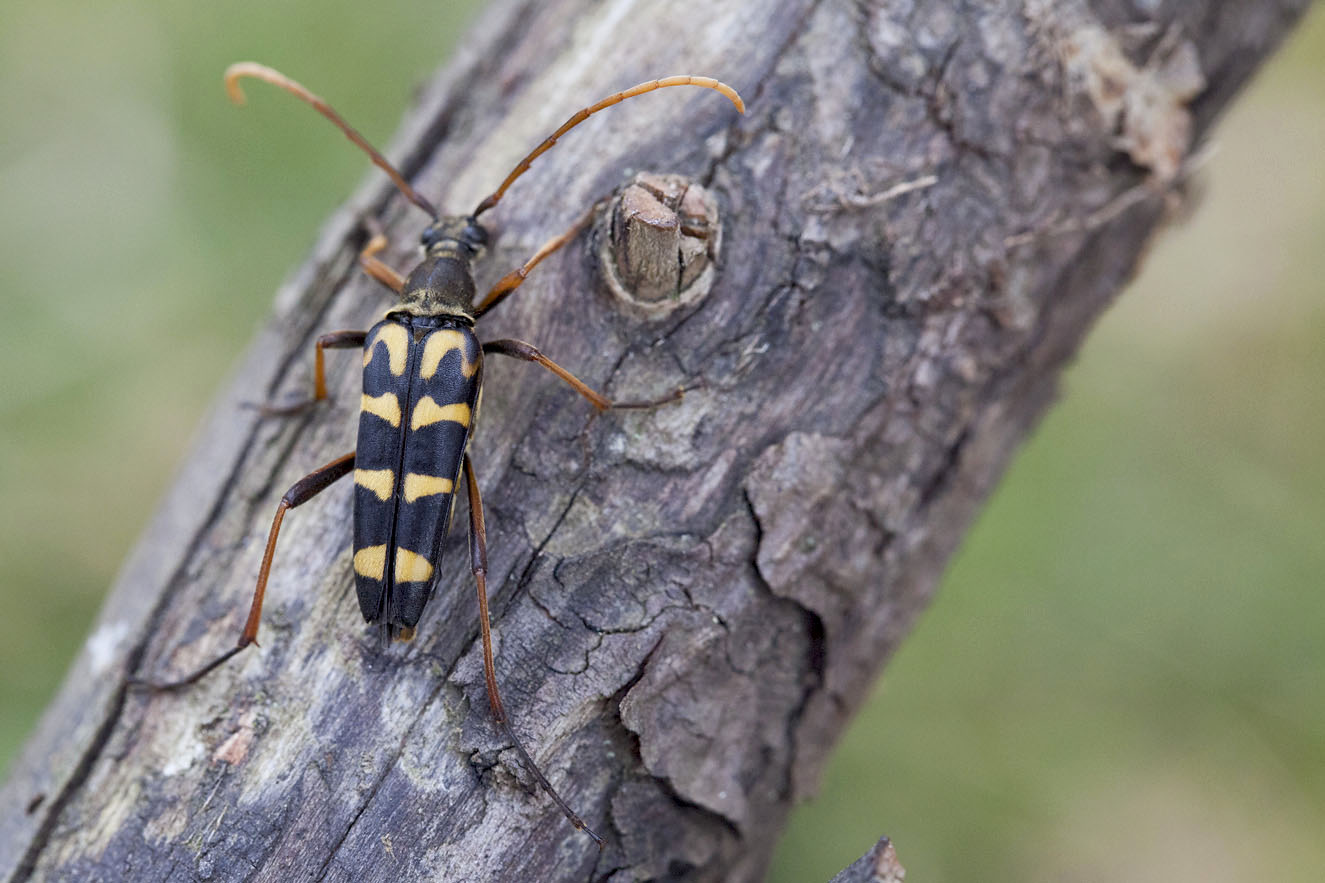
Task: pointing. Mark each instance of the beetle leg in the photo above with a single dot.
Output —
(374, 266)
(512, 280)
(301, 492)
(478, 552)
(518, 349)
(335, 340)
(380, 271)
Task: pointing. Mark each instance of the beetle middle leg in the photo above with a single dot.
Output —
(299, 493)
(518, 349)
(333, 340)
(478, 551)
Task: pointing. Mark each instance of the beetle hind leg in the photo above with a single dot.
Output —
(478, 551)
(299, 493)
(334, 340)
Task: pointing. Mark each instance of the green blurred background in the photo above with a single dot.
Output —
(1122, 675)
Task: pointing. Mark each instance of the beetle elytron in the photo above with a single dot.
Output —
(422, 373)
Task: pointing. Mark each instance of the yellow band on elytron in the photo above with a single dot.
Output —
(417, 485)
(428, 412)
(396, 339)
(380, 481)
(386, 406)
(370, 562)
(439, 344)
(411, 567)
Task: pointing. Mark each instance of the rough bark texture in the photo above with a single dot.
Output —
(689, 603)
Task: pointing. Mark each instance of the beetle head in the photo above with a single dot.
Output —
(456, 236)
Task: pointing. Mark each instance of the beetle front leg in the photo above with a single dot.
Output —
(301, 492)
(518, 349)
(374, 266)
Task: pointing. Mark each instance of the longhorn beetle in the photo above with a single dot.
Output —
(422, 376)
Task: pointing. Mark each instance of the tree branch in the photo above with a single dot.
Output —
(923, 212)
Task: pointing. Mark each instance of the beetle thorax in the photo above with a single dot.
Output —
(443, 284)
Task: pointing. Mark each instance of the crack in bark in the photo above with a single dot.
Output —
(816, 652)
(387, 768)
(75, 781)
(660, 780)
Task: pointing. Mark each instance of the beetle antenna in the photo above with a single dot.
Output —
(582, 115)
(237, 71)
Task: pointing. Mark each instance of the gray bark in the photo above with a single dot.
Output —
(925, 209)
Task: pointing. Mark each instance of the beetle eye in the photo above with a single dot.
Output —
(475, 235)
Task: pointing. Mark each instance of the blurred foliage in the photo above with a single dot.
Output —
(1122, 674)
